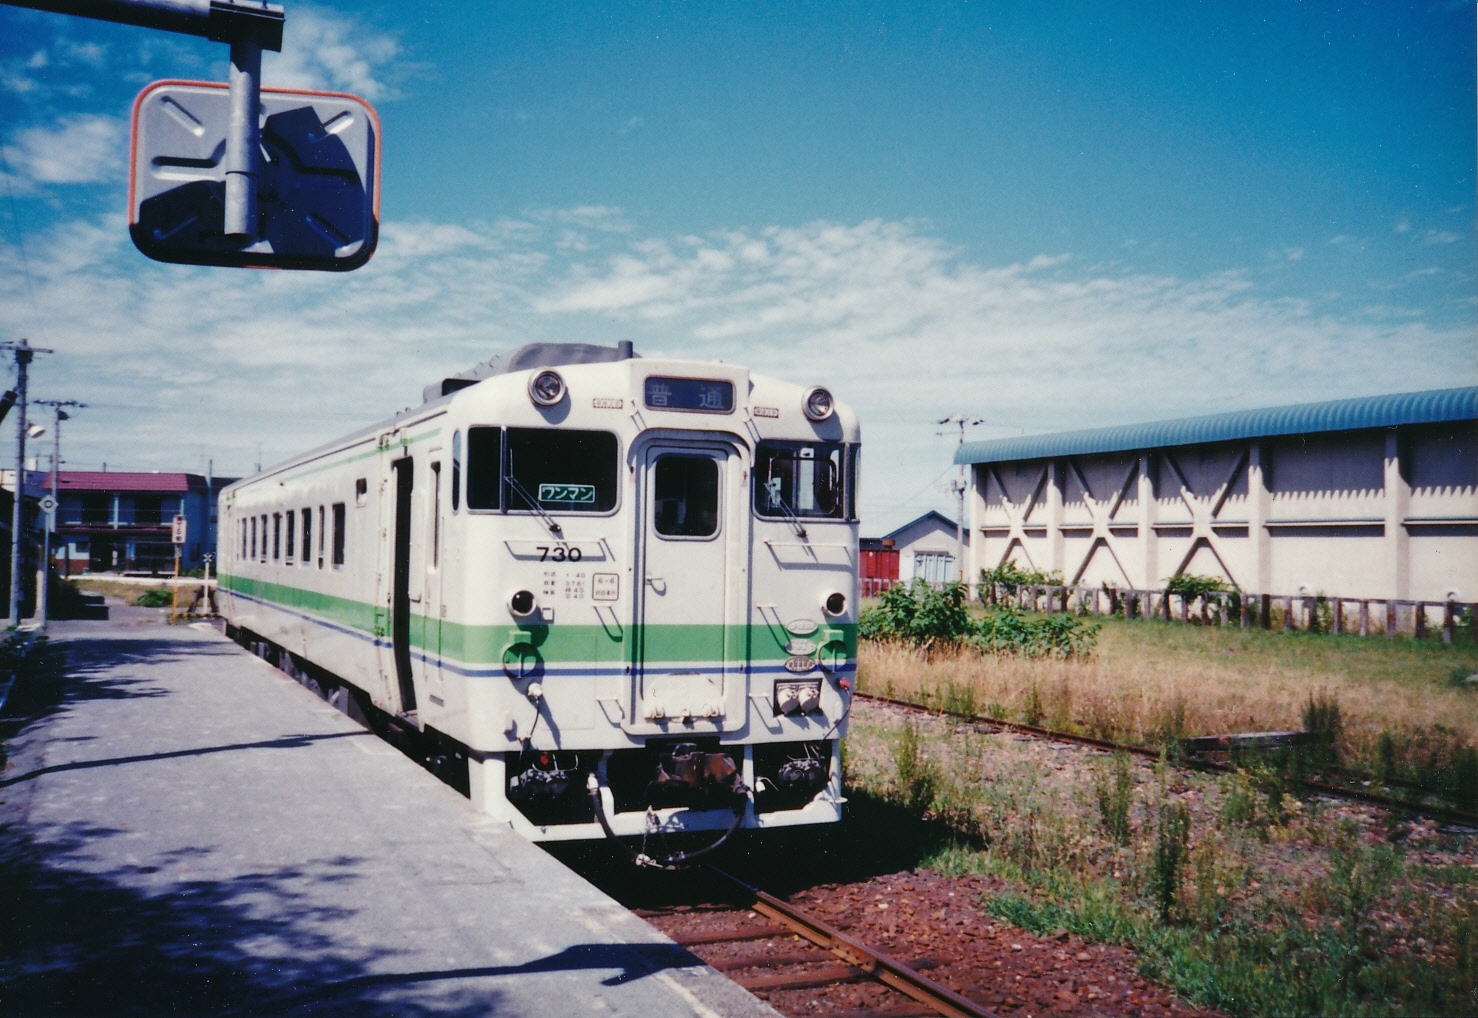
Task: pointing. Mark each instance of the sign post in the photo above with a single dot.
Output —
(177, 531)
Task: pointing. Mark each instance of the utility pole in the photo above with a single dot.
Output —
(958, 487)
(24, 352)
(44, 596)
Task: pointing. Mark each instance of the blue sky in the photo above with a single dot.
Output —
(1044, 216)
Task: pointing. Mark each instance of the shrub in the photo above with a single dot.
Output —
(154, 597)
(1012, 578)
(926, 618)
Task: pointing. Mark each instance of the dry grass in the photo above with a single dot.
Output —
(1149, 679)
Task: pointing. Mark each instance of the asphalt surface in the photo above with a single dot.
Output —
(186, 831)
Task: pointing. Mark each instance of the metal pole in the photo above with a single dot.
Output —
(23, 355)
(244, 140)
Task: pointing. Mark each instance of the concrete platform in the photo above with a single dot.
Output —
(188, 831)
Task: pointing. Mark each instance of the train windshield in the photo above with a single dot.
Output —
(561, 471)
(805, 480)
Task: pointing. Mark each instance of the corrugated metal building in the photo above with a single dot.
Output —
(1357, 498)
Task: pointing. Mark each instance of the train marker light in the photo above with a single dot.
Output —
(546, 388)
(317, 193)
(819, 404)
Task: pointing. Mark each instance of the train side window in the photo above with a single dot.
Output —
(307, 556)
(562, 471)
(361, 491)
(243, 539)
(685, 496)
(290, 539)
(339, 522)
(277, 537)
(253, 537)
(321, 530)
(262, 549)
(456, 469)
(484, 467)
(854, 453)
(435, 515)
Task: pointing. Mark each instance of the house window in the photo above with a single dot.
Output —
(339, 521)
(933, 566)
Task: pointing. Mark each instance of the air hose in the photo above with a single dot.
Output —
(677, 859)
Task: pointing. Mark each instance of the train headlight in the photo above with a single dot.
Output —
(546, 388)
(521, 603)
(836, 604)
(818, 404)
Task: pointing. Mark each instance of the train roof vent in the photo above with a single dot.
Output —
(527, 357)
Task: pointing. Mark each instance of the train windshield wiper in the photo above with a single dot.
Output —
(534, 506)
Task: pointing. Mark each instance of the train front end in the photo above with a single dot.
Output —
(657, 568)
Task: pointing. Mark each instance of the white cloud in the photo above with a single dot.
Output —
(83, 149)
(1439, 237)
(323, 49)
(180, 364)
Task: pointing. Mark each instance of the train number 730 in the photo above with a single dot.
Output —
(558, 553)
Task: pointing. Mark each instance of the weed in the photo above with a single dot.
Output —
(1031, 711)
(959, 700)
(1171, 845)
(1113, 787)
(1321, 716)
(918, 776)
(1170, 727)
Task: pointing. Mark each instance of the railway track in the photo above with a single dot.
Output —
(831, 957)
(1445, 814)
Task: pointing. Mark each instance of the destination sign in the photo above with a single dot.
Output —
(704, 395)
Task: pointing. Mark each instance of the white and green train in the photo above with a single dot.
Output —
(624, 589)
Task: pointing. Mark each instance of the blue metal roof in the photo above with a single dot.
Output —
(1434, 407)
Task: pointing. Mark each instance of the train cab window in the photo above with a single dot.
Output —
(290, 538)
(339, 522)
(321, 531)
(800, 479)
(456, 469)
(562, 471)
(307, 556)
(484, 467)
(685, 496)
(361, 491)
(277, 537)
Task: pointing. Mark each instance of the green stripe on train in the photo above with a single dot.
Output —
(596, 644)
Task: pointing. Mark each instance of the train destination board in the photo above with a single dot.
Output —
(705, 395)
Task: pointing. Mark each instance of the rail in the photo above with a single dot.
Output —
(856, 955)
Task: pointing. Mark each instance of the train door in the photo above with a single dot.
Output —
(400, 598)
(682, 646)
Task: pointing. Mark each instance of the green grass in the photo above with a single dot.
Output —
(1269, 906)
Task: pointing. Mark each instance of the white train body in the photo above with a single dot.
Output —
(665, 555)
